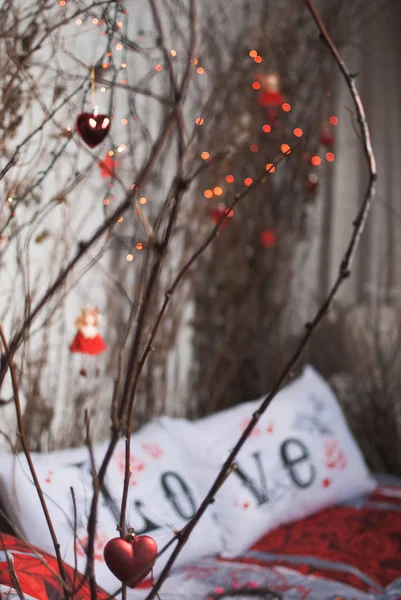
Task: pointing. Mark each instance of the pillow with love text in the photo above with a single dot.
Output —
(300, 458)
(163, 496)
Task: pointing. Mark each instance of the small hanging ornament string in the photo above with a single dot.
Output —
(93, 92)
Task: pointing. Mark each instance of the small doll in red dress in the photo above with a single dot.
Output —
(270, 96)
(326, 135)
(87, 339)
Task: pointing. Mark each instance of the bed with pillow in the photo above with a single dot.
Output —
(301, 517)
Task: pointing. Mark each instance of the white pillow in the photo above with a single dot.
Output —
(300, 458)
(163, 496)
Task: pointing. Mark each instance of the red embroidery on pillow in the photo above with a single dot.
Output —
(334, 456)
(48, 479)
(154, 450)
(135, 465)
(100, 542)
(255, 431)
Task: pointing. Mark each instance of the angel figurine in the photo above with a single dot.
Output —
(87, 339)
(270, 96)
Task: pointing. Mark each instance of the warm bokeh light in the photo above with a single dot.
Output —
(130, 257)
(111, 153)
(139, 246)
(196, 61)
(248, 181)
(253, 53)
(285, 148)
(120, 220)
(298, 132)
(266, 128)
(205, 155)
(199, 121)
(121, 148)
(208, 194)
(63, 3)
(95, 21)
(256, 85)
(158, 67)
(286, 107)
(254, 148)
(330, 156)
(78, 21)
(119, 47)
(106, 201)
(258, 59)
(200, 70)
(217, 191)
(333, 120)
(270, 167)
(316, 161)
(230, 178)
(173, 53)
(124, 121)
(142, 200)
(123, 65)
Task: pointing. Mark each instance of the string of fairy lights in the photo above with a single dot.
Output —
(270, 97)
(115, 61)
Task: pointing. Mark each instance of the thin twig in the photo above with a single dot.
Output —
(13, 574)
(85, 246)
(15, 155)
(90, 567)
(343, 274)
(178, 189)
(24, 443)
(157, 148)
(74, 507)
(263, 592)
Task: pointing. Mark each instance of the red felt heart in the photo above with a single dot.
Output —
(127, 559)
(92, 128)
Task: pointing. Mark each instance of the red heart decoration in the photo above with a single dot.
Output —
(92, 128)
(126, 559)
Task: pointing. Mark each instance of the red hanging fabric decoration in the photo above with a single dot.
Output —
(108, 166)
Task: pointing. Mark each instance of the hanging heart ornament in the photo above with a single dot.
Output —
(128, 558)
(92, 128)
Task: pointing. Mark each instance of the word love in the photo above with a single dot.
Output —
(176, 491)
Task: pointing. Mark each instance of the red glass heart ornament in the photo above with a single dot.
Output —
(127, 559)
(92, 128)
